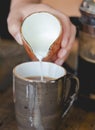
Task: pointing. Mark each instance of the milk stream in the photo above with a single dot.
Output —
(41, 68)
(40, 56)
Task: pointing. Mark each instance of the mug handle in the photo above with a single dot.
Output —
(70, 96)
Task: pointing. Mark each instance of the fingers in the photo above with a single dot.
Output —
(66, 31)
(69, 29)
(66, 26)
(64, 51)
(61, 56)
(14, 24)
(71, 38)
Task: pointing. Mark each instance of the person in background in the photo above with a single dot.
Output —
(19, 9)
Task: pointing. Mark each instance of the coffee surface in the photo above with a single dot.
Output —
(39, 78)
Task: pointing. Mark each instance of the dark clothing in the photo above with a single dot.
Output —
(4, 10)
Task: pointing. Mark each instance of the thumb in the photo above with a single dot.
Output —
(14, 28)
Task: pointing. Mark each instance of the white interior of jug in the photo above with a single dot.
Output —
(40, 30)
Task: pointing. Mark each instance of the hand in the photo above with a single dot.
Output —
(19, 11)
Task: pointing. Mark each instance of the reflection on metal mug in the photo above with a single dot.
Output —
(43, 94)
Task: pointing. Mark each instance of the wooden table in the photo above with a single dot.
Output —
(76, 119)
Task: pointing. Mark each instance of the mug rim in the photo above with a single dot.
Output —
(30, 80)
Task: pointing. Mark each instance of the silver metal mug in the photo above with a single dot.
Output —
(41, 104)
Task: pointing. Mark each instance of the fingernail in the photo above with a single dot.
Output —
(18, 39)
